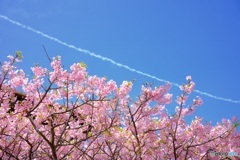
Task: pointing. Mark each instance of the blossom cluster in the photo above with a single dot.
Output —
(68, 114)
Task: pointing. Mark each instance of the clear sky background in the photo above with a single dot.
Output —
(167, 39)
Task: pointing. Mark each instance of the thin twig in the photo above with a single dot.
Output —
(46, 53)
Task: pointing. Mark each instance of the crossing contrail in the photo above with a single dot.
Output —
(108, 59)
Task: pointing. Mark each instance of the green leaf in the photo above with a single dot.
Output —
(19, 54)
(119, 128)
(83, 64)
(89, 134)
(237, 124)
(107, 133)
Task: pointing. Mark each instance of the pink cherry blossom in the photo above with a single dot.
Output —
(67, 114)
(39, 71)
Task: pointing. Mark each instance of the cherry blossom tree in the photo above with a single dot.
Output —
(68, 114)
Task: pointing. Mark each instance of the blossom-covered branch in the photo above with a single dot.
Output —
(68, 114)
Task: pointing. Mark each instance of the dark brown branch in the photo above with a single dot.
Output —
(19, 98)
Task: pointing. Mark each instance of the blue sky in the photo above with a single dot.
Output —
(167, 39)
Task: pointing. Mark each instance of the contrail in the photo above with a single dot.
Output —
(109, 60)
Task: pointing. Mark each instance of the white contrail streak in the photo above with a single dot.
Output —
(108, 59)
